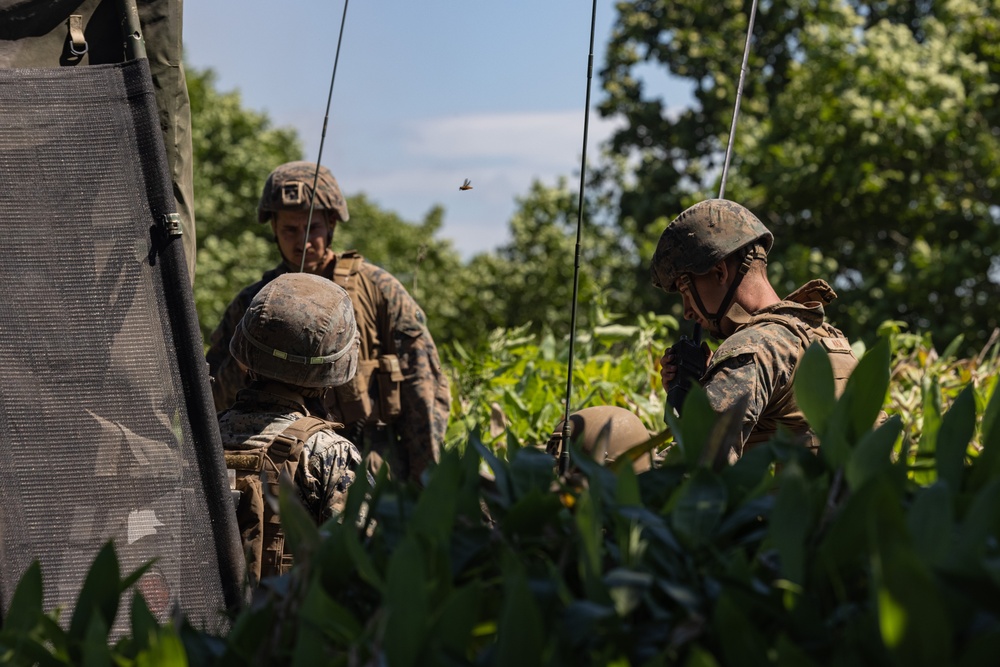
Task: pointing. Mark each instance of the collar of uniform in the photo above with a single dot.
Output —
(272, 394)
(810, 312)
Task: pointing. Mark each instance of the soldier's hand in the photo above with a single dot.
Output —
(668, 368)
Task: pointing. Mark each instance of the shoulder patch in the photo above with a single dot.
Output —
(731, 351)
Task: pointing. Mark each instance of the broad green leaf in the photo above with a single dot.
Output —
(741, 642)
(986, 466)
(521, 630)
(978, 530)
(499, 469)
(866, 388)
(957, 428)
(26, 606)
(813, 387)
(166, 650)
(99, 595)
(791, 521)
(406, 605)
(872, 454)
(299, 528)
(590, 528)
(362, 561)
(457, 619)
(145, 627)
(931, 414)
(699, 657)
(697, 506)
(750, 474)
(628, 487)
(931, 525)
(695, 424)
(531, 470)
(913, 619)
(434, 515)
(94, 646)
(323, 621)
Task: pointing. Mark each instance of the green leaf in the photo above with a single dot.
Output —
(144, 625)
(692, 431)
(697, 506)
(299, 528)
(986, 466)
(590, 528)
(521, 630)
(166, 650)
(791, 521)
(872, 455)
(458, 616)
(99, 595)
(931, 414)
(94, 647)
(740, 641)
(26, 606)
(434, 516)
(406, 605)
(322, 623)
(913, 619)
(931, 525)
(628, 487)
(866, 388)
(813, 387)
(957, 428)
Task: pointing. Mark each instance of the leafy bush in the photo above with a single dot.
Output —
(861, 554)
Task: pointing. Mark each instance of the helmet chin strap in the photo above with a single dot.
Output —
(715, 319)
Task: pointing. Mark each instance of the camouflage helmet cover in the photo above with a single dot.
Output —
(289, 188)
(625, 431)
(299, 329)
(701, 237)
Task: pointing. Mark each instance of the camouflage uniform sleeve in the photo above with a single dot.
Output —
(728, 381)
(752, 363)
(425, 395)
(325, 474)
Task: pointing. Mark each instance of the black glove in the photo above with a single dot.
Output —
(691, 360)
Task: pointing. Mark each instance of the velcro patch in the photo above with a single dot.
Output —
(836, 345)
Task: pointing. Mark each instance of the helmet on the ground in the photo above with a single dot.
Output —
(624, 431)
(701, 237)
(300, 330)
(289, 188)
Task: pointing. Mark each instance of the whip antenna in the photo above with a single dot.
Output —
(732, 127)
(566, 431)
(322, 139)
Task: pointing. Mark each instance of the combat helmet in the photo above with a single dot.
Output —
(300, 330)
(625, 431)
(701, 237)
(289, 188)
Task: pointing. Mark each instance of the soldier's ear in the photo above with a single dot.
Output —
(721, 272)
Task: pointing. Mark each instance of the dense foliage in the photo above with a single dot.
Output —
(879, 550)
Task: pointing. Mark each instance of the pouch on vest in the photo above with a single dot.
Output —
(390, 377)
(259, 525)
(353, 402)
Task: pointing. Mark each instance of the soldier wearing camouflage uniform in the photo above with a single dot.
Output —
(297, 339)
(398, 403)
(715, 255)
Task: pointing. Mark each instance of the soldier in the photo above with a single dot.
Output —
(398, 403)
(297, 339)
(715, 255)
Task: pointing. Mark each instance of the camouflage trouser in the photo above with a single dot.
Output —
(34, 33)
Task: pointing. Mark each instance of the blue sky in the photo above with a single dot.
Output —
(427, 94)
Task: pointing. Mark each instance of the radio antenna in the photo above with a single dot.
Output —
(567, 430)
(322, 139)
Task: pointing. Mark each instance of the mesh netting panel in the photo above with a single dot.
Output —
(96, 436)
